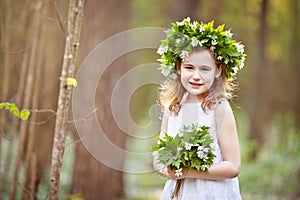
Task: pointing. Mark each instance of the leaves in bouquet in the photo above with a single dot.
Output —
(190, 148)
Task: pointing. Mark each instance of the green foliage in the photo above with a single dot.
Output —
(191, 148)
(275, 173)
(184, 36)
(13, 109)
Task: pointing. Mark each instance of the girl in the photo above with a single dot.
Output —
(200, 63)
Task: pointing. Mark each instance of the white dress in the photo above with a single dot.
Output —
(200, 189)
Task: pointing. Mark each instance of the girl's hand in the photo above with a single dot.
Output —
(172, 174)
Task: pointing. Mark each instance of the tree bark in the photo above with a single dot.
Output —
(30, 186)
(103, 182)
(258, 112)
(33, 36)
(75, 15)
(7, 69)
(14, 47)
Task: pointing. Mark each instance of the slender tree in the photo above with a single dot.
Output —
(29, 188)
(75, 15)
(33, 36)
(7, 67)
(258, 112)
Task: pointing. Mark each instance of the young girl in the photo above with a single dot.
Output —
(200, 63)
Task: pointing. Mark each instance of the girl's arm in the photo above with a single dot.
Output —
(229, 145)
(157, 166)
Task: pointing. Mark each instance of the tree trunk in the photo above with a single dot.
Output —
(182, 9)
(30, 186)
(91, 178)
(15, 47)
(75, 14)
(6, 71)
(294, 69)
(33, 36)
(293, 61)
(258, 111)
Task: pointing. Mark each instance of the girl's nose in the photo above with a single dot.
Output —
(196, 75)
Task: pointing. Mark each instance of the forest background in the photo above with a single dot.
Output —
(32, 43)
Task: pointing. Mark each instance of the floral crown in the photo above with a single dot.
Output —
(184, 36)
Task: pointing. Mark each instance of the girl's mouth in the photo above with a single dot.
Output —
(196, 84)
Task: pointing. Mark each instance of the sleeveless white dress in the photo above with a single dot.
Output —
(200, 189)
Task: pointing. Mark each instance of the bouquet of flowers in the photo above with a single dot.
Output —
(191, 148)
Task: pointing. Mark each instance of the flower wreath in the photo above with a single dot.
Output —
(184, 36)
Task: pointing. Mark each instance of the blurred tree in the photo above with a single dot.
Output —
(258, 110)
(294, 6)
(6, 71)
(34, 35)
(293, 62)
(91, 178)
(30, 186)
(182, 9)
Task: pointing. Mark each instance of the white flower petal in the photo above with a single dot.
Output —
(194, 42)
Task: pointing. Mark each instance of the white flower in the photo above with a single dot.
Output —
(194, 42)
(184, 54)
(235, 69)
(201, 43)
(214, 42)
(178, 172)
(194, 25)
(161, 50)
(212, 145)
(188, 146)
(180, 23)
(212, 48)
(242, 62)
(219, 58)
(205, 157)
(202, 29)
(200, 148)
(200, 154)
(177, 40)
(206, 150)
(228, 33)
(204, 167)
(166, 70)
(240, 47)
(188, 19)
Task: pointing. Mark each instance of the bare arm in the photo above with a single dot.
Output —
(157, 166)
(229, 145)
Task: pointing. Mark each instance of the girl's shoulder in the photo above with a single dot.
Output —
(222, 108)
(220, 104)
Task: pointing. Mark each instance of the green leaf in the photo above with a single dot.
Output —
(13, 109)
(24, 114)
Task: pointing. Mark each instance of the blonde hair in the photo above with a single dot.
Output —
(171, 91)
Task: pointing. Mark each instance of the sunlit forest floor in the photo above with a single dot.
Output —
(271, 177)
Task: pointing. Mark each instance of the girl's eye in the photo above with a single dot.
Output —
(205, 68)
(188, 67)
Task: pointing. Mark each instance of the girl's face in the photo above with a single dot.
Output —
(198, 72)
